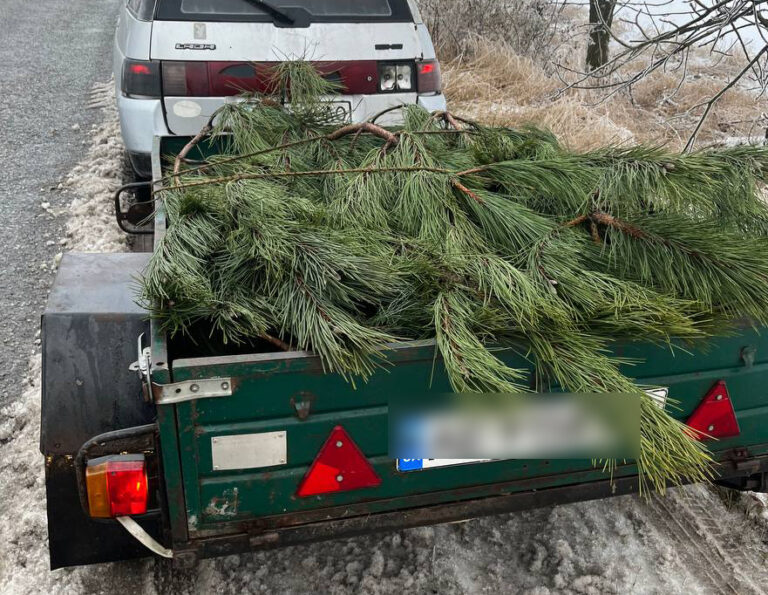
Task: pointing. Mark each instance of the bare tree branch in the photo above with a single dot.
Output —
(662, 39)
(718, 95)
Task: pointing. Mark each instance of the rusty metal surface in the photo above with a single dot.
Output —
(333, 524)
(730, 466)
(284, 392)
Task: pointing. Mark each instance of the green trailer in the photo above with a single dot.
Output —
(240, 449)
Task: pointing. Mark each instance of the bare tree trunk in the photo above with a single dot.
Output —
(600, 20)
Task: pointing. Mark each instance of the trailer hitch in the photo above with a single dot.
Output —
(138, 214)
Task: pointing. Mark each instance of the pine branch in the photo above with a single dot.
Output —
(311, 233)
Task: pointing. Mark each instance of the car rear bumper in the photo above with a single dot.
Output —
(140, 121)
(187, 115)
(143, 119)
(433, 103)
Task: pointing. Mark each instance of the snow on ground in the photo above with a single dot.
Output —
(696, 540)
(23, 522)
(91, 225)
(616, 546)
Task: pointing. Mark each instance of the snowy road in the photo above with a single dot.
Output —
(694, 541)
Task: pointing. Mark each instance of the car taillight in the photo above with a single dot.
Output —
(428, 76)
(224, 79)
(185, 79)
(395, 77)
(117, 486)
(141, 78)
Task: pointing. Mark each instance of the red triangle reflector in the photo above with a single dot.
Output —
(714, 417)
(340, 466)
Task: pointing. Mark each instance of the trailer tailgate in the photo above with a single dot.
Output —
(289, 394)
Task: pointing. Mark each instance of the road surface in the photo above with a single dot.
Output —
(51, 53)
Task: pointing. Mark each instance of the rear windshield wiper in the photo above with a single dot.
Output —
(272, 10)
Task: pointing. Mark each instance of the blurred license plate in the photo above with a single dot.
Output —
(404, 465)
(340, 111)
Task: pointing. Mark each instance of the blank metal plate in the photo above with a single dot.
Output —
(249, 451)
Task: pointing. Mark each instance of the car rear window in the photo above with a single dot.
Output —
(317, 10)
(142, 9)
(374, 8)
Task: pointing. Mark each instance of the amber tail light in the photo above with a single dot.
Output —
(117, 486)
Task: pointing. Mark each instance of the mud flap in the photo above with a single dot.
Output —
(75, 539)
(89, 333)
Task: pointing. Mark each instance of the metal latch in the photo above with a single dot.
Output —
(190, 390)
(178, 392)
(747, 355)
(142, 366)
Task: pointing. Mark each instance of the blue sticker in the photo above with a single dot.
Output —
(410, 464)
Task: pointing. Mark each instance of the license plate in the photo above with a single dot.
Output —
(406, 465)
(523, 444)
(338, 111)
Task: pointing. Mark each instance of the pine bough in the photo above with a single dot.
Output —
(344, 239)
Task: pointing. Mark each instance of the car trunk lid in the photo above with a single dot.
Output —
(225, 59)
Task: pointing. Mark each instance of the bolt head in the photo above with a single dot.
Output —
(339, 478)
(194, 388)
(719, 398)
(225, 386)
(339, 444)
(710, 428)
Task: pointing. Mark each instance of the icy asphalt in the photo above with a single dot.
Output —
(51, 53)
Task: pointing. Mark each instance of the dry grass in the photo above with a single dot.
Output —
(527, 26)
(494, 71)
(492, 82)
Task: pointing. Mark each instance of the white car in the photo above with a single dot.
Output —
(177, 61)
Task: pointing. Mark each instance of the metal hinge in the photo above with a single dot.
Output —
(190, 390)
